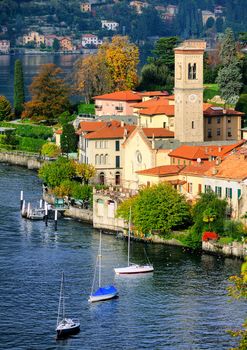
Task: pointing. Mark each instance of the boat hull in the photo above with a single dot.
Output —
(68, 329)
(104, 293)
(134, 269)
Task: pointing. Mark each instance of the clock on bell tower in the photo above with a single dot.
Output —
(189, 91)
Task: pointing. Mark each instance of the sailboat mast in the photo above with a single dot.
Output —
(100, 259)
(60, 300)
(129, 237)
(63, 297)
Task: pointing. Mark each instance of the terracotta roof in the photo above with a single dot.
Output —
(90, 126)
(233, 167)
(158, 132)
(197, 169)
(127, 95)
(189, 152)
(111, 131)
(161, 171)
(204, 152)
(156, 110)
(217, 111)
(155, 93)
(206, 106)
(155, 101)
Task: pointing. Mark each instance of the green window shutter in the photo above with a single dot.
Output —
(239, 193)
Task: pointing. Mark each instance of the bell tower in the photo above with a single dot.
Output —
(189, 91)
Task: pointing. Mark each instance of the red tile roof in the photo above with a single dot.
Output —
(161, 171)
(158, 132)
(233, 167)
(218, 111)
(155, 101)
(159, 109)
(90, 126)
(113, 130)
(155, 93)
(197, 169)
(204, 152)
(127, 95)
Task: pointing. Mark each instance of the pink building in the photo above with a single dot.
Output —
(116, 103)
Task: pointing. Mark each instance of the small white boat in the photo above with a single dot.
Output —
(36, 214)
(131, 268)
(102, 293)
(65, 326)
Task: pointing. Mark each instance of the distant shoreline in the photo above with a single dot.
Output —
(23, 51)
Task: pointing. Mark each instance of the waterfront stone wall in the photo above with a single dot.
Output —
(236, 249)
(20, 158)
(79, 214)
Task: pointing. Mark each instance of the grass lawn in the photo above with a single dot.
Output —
(210, 90)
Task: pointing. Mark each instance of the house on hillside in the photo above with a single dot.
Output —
(90, 39)
(4, 46)
(116, 103)
(109, 25)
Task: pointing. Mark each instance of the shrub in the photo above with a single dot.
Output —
(50, 149)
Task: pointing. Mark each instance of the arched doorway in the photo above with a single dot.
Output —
(102, 178)
(117, 178)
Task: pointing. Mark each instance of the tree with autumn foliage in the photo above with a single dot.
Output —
(84, 171)
(50, 94)
(122, 58)
(113, 68)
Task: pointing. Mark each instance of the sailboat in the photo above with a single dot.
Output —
(133, 268)
(102, 293)
(65, 326)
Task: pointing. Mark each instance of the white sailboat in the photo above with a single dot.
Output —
(65, 326)
(102, 293)
(133, 268)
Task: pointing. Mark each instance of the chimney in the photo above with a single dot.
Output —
(219, 149)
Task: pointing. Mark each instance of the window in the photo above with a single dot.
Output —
(97, 159)
(218, 120)
(218, 191)
(209, 133)
(190, 187)
(178, 161)
(117, 161)
(207, 188)
(209, 120)
(192, 71)
(218, 132)
(106, 159)
(239, 193)
(229, 132)
(180, 188)
(117, 145)
(164, 125)
(184, 162)
(150, 120)
(228, 192)
(193, 125)
(173, 160)
(228, 120)
(117, 178)
(101, 159)
(199, 188)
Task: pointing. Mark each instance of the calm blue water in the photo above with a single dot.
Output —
(31, 66)
(183, 305)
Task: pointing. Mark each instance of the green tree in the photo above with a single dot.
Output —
(163, 53)
(229, 76)
(69, 139)
(159, 208)
(19, 94)
(219, 24)
(208, 214)
(241, 105)
(56, 45)
(210, 22)
(55, 172)
(5, 109)
(237, 290)
(85, 171)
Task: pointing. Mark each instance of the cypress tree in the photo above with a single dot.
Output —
(19, 95)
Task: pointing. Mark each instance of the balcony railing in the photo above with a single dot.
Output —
(120, 109)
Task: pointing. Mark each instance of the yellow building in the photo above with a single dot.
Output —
(85, 7)
(34, 37)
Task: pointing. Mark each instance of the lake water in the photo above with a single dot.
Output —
(31, 66)
(183, 305)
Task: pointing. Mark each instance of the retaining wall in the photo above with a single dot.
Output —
(20, 158)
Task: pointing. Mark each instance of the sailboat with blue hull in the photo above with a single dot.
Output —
(102, 293)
